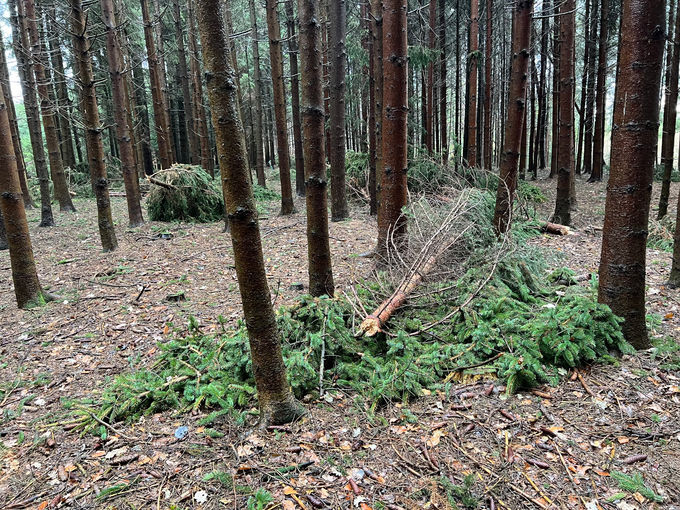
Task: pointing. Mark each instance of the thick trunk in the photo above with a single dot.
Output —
(337, 34)
(488, 80)
(313, 120)
(93, 128)
(669, 118)
(61, 191)
(394, 191)
(183, 71)
(277, 404)
(120, 113)
(27, 78)
(279, 93)
(257, 91)
(634, 140)
(565, 155)
(24, 274)
(473, 64)
(295, 100)
(516, 118)
(600, 95)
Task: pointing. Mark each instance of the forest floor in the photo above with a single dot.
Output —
(608, 437)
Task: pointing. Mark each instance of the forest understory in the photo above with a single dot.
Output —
(606, 437)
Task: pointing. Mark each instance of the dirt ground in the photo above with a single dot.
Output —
(552, 448)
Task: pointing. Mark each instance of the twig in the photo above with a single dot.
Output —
(108, 426)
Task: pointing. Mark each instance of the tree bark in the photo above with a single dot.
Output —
(515, 124)
(257, 91)
(584, 84)
(376, 7)
(372, 112)
(473, 58)
(394, 191)
(600, 95)
(555, 149)
(183, 70)
(120, 113)
(25, 70)
(143, 115)
(27, 287)
(428, 121)
(669, 118)
(589, 122)
(162, 74)
(93, 129)
(565, 156)
(61, 191)
(634, 140)
(488, 80)
(337, 34)
(443, 124)
(295, 100)
(542, 90)
(276, 401)
(313, 120)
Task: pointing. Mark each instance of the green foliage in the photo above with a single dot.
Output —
(661, 234)
(263, 194)
(460, 493)
(189, 194)
(659, 171)
(635, 483)
(259, 500)
(526, 192)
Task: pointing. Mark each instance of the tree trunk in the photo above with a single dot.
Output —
(488, 80)
(542, 89)
(589, 122)
(473, 58)
(634, 140)
(337, 34)
(279, 88)
(159, 114)
(93, 129)
(428, 121)
(120, 113)
(295, 100)
(565, 155)
(160, 55)
(600, 95)
(313, 120)
(257, 91)
(143, 115)
(277, 404)
(515, 124)
(443, 125)
(394, 191)
(376, 16)
(555, 149)
(27, 288)
(61, 191)
(372, 117)
(27, 78)
(183, 71)
(669, 118)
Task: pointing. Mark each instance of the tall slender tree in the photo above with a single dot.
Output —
(120, 113)
(473, 69)
(394, 191)
(93, 127)
(600, 94)
(337, 33)
(27, 287)
(428, 119)
(313, 119)
(257, 98)
(376, 15)
(295, 100)
(443, 48)
(515, 124)
(278, 84)
(488, 84)
(276, 400)
(634, 140)
(183, 70)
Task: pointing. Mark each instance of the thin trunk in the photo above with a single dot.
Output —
(428, 122)
(516, 117)
(27, 78)
(61, 191)
(394, 191)
(337, 34)
(634, 141)
(279, 95)
(473, 64)
(120, 113)
(590, 95)
(600, 95)
(443, 125)
(488, 80)
(543, 89)
(584, 85)
(372, 112)
(27, 287)
(554, 153)
(313, 120)
(377, 34)
(143, 114)
(295, 100)
(277, 403)
(257, 91)
(183, 71)
(160, 55)
(93, 128)
(523, 142)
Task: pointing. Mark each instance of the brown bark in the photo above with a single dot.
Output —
(428, 120)
(443, 124)
(257, 91)
(276, 401)
(555, 142)
(542, 91)
(313, 120)
(279, 88)
(61, 191)
(144, 133)
(27, 287)
(600, 95)
(515, 125)
(376, 10)
(295, 100)
(473, 46)
(634, 139)
(589, 121)
(488, 81)
(160, 55)
(372, 127)
(25, 70)
(394, 191)
(565, 155)
(159, 111)
(93, 128)
(183, 71)
(584, 85)
(669, 118)
(337, 33)
(120, 113)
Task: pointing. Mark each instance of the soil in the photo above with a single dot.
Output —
(552, 448)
